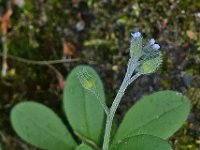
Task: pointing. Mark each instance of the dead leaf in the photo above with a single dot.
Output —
(19, 3)
(6, 21)
(68, 48)
(79, 16)
(4, 69)
(164, 24)
(192, 35)
(59, 76)
(80, 25)
(76, 3)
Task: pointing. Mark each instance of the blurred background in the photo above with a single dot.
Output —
(42, 40)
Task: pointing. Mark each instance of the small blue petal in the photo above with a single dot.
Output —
(136, 35)
(156, 46)
(152, 41)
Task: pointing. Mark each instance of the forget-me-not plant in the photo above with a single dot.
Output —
(143, 60)
(146, 125)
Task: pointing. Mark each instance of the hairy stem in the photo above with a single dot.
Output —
(103, 104)
(114, 107)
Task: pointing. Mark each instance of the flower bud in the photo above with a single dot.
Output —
(152, 42)
(136, 44)
(156, 47)
(150, 66)
(87, 81)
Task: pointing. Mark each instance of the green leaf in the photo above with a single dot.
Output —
(142, 142)
(41, 127)
(96, 42)
(160, 114)
(84, 147)
(82, 108)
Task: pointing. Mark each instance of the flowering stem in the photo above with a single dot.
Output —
(114, 107)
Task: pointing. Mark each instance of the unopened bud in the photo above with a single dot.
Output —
(150, 65)
(136, 44)
(156, 46)
(87, 81)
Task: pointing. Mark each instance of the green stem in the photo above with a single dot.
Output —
(114, 107)
(103, 104)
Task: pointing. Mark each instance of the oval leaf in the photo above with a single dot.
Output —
(82, 108)
(84, 147)
(41, 127)
(160, 114)
(142, 142)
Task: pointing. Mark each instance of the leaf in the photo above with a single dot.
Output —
(68, 48)
(82, 108)
(76, 3)
(160, 114)
(6, 21)
(41, 127)
(59, 76)
(142, 142)
(84, 147)
(192, 35)
(96, 42)
(19, 3)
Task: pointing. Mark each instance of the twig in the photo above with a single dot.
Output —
(35, 62)
(4, 55)
(114, 107)
(5, 46)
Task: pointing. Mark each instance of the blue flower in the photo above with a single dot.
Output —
(136, 35)
(156, 46)
(152, 42)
